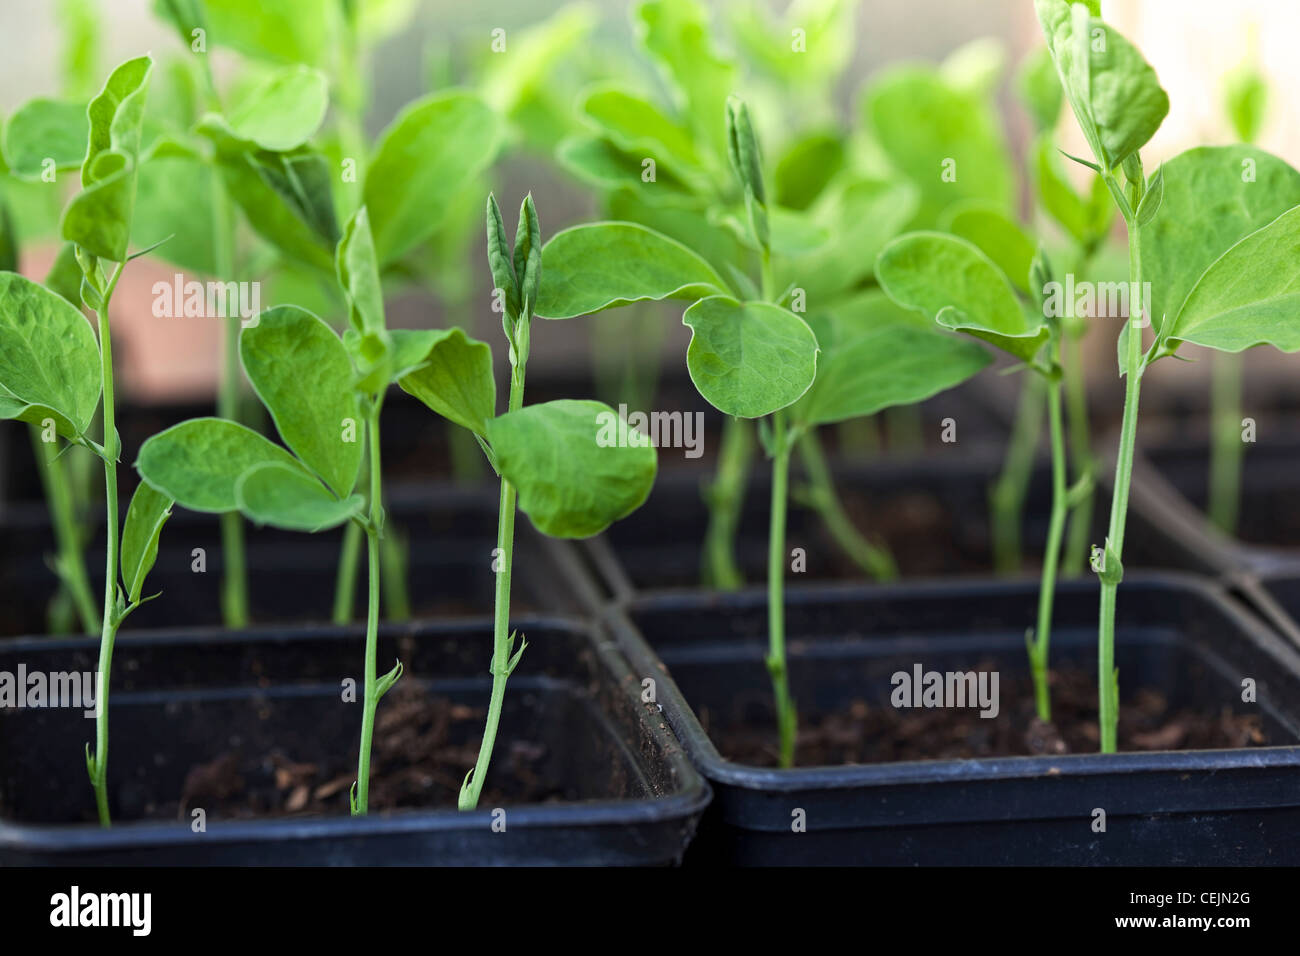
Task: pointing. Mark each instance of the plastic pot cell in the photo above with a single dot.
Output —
(249, 734)
(968, 801)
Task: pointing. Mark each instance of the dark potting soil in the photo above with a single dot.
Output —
(423, 746)
(862, 733)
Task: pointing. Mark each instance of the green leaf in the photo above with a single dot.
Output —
(49, 358)
(742, 149)
(44, 129)
(198, 462)
(860, 216)
(946, 141)
(528, 256)
(145, 518)
(749, 359)
(434, 149)
(954, 283)
(598, 162)
(806, 168)
(573, 474)
(1246, 99)
(1152, 197)
(303, 375)
(64, 277)
(1084, 219)
(639, 128)
(1114, 92)
(358, 274)
(287, 497)
(500, 261)
(293, 212)
(99, 217)
(1040, 89)
(1250, 295)
(606, 264)
(283, 112)
(8, 238)
(173, 202)
(875, 354)
(677, 35)
(283, 31)
(1213, 197)
(995, 234)
(455, 380)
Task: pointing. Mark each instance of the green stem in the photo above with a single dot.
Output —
(97, 763)
(373, 531)
(345, 582)
(786, 716)
(1107, 676)
(823, 498)
(1226, 446)
(725, 497)
(395, 560)
(68, 536)
(1038, 647)
(1007, 496)
(1085, 464)
(502, 641)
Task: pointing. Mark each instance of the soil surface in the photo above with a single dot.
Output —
(862, 733)
(423, 747)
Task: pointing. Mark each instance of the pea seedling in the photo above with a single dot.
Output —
(752, 357)
(54, 374)
(1215, 232)
(553, 458)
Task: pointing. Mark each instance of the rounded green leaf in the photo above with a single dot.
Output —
(606, 264)
(197, 463)
(431, 152)
(875, 355)
(576, 465)
(1114, 92)
(1213, 197)
(946, 140)
(638, 127)
(1251, 295)
(285, 111)
(455, 380)
(148, 512)
(749, 359)
(287, 497)
(954, 283)
(49, 357)
(44, 129)
(996, 235)
(303, 375)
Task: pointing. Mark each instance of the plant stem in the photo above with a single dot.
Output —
(1007, 496)
(395, 560)
(97, 763)
(1226, 446)
(1085, 463)
(70, 561)
(786, 717)
(725, 497)
(822, 497)
(502, 642)
(234, 581)
(373, 530)
(1107, 676)
(1038, 647)
(345, 582)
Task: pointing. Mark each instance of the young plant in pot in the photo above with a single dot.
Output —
(754, 358)
(325, 394)
(54, 374)
(1213, 237)
(958, 284)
